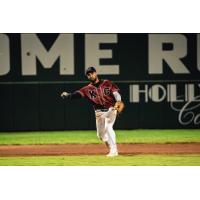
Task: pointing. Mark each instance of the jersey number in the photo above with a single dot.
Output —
(106, 91)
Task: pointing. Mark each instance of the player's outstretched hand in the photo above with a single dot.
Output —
(64, 95)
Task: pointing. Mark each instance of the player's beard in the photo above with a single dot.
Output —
(93, 80)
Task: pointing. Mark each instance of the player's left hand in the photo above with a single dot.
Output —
(119, 106)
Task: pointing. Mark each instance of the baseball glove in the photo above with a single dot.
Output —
(119, 106)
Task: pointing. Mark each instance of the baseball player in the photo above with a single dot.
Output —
(106, 100)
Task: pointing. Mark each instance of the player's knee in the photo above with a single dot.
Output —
(109, 127)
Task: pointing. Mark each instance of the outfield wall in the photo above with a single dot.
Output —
(158, 74)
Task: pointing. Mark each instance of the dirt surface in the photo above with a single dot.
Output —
(97, 149)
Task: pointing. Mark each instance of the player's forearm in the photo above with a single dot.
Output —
(75, 95)
(71, 96)
(117, 96)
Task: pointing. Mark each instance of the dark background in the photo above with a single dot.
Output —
(34, 103)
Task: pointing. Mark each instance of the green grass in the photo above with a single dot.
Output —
(137, 160)
(87, 137)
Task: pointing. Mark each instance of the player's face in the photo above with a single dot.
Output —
(92, 76)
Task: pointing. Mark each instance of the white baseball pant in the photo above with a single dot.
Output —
(104, 125)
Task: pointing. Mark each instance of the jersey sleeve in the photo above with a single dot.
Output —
(75, 95)
(81, 92)
(114, 88)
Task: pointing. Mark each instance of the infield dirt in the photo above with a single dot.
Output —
(97, 149)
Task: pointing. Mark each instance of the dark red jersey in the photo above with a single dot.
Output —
(101, 95)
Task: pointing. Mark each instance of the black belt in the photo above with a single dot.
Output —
(102, 110)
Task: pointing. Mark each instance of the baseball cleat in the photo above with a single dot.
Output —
(112, 154)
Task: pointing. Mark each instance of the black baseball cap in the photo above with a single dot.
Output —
(90, 70)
